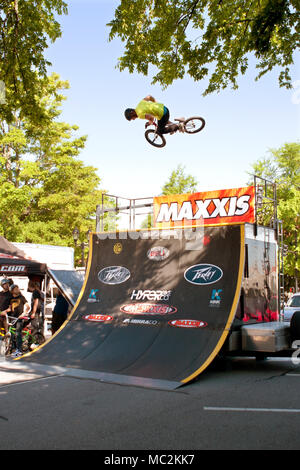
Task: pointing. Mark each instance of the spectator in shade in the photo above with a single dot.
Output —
(60, 312)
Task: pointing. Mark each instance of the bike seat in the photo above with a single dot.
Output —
(182, 119)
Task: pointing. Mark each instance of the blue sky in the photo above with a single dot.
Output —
(241, 125)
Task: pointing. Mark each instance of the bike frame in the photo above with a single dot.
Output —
(26, 332)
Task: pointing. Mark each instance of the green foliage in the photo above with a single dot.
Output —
(179, 183)
(45, 190)
(283, 167)
(26, 26)
(207, 38)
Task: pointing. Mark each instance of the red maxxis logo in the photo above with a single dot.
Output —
(98, 318)
(148, 309)
(188, 323)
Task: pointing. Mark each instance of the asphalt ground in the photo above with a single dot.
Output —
(249, 405)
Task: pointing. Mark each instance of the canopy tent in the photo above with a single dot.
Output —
(7, 248)
(13, 262)
(21, 267)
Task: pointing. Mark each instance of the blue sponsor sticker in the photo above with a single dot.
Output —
(215, 300)
(93, 297)
(203, 274)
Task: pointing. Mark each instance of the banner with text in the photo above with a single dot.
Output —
(220, 207)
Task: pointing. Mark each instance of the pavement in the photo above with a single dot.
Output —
(247, 405)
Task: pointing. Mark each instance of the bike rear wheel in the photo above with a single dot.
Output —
(31, 342)
(155, 139)
(194, 125)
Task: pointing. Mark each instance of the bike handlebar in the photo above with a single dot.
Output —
(13, 320)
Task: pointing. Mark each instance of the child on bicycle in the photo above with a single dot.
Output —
(18, 308)
(149, 109)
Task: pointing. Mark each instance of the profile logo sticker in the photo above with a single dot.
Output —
(188, 323)
(99, 318)
(158, 253)
(148, 309)
(215, 300)
(113, 275)
(203, 274)
(93, 298)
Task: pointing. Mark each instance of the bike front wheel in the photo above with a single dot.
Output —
(194, 125)
(155, 139)
(5, 346)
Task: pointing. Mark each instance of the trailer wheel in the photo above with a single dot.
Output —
(295, 326)
(260, 356)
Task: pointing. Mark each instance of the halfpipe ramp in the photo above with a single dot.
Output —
(152, 311)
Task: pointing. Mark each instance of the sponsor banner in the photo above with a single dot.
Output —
(188, 323)
(148, 309)
(158, 253)
(113, 275)
(203, 274)
(222, 207)
(6, 269)
(98, 318)
(156, 295)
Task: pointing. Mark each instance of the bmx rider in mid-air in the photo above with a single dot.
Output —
(149, 109)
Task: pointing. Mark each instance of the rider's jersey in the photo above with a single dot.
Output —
(17, 305)
(148, 107)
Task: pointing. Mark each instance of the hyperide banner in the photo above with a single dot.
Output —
(220, 207)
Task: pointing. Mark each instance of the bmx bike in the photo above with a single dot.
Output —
(192, 125)
(29, 340)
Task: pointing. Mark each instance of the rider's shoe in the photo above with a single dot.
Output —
(17, 353)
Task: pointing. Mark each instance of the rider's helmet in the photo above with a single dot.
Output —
(4, 281)
(12, 287)
(128, 113)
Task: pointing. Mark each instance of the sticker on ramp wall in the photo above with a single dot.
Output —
(203, 274)
(114, 275)
(118, 248)
(140, 321)
(98, 318)
(188, 323)
(158, 253)
(148, 309)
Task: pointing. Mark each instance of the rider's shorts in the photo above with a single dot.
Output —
(164, 120)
